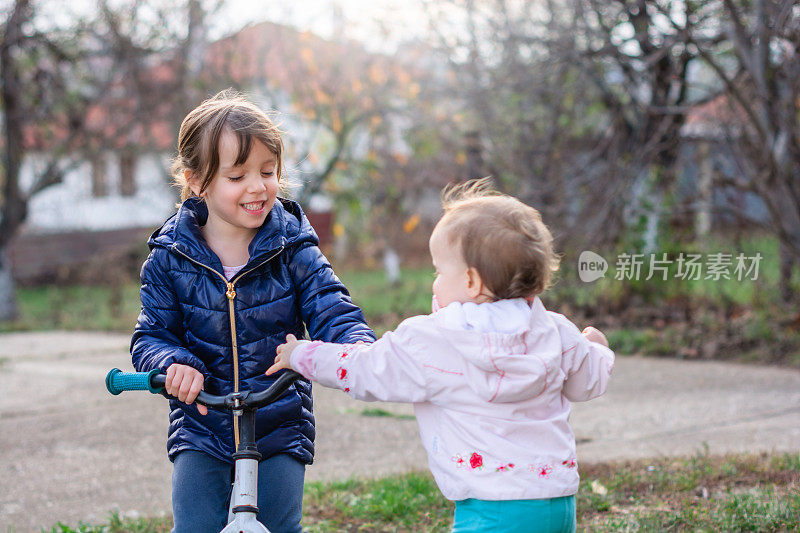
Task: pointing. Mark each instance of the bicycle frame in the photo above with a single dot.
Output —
(244, 495)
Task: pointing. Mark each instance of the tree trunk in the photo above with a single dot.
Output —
(13, 206)
(652, 206)
(787, 266)
(704, 190)
(8, 300)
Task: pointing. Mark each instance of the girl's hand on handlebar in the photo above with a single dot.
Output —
(185, 383)
(284, 352)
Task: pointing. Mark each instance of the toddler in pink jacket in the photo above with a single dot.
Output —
(491, 372)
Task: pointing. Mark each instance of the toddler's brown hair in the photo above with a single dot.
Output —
(502, 238)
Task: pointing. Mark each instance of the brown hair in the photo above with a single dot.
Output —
(503, 239)
(198, 139)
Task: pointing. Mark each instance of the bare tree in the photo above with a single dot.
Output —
(72, 91)
(38, 102)
(519, 107)
(639, 56)
(761, 110)
(581, 106)
(577, 101)
(332, 91)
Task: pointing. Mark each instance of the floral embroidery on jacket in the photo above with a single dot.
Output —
(459, 460)
(474, 460)
(341, 374)
(541, 469)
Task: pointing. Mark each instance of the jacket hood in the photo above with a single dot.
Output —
(494, 338)
(285, 224)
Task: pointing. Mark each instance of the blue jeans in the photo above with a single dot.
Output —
(553, 515)
(201, 490)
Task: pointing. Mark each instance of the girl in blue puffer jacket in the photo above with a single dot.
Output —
(229, 275)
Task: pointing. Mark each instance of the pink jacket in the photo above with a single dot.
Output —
(491, 386)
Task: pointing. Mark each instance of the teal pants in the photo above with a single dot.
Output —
(554, 515)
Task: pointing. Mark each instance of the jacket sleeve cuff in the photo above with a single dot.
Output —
(301, 360)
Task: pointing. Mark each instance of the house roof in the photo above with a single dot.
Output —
(264, 55)
(717, 117)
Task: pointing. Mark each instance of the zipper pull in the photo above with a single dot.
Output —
(231, 294)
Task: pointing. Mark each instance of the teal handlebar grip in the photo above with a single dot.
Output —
(118, 381)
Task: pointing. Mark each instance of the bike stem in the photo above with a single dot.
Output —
(245, 495)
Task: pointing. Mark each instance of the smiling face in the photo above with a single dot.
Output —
(239, 197)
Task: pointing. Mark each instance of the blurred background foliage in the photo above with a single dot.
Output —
(634, 126)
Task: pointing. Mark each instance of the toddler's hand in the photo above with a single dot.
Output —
(185, 383)
(595, 335)
(284, 352)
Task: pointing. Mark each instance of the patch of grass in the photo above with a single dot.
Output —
(77, 307)
(404, 503)
(634, 341)
(699, 493)
(789, 462)
(742, 320)
(691, 319)
(117, 524)
(384, 304)
(378, 412)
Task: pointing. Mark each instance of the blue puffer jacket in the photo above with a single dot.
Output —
(187, 318)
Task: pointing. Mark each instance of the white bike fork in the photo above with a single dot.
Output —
(244, 499)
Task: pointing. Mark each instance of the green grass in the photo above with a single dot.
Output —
(82, 307)
(763, 290)
(78, 307)
(701, 493)
(386, 305)
(383, 413)
(409, 502)
(117, 524)
(726, 319)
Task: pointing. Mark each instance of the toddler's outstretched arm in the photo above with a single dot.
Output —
(387, 370)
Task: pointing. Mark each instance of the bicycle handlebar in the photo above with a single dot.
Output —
(118, 381)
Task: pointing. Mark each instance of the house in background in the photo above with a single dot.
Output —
(708, 144)
(120, 189)
(110, 198)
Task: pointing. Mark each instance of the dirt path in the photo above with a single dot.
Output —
(76, 453)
